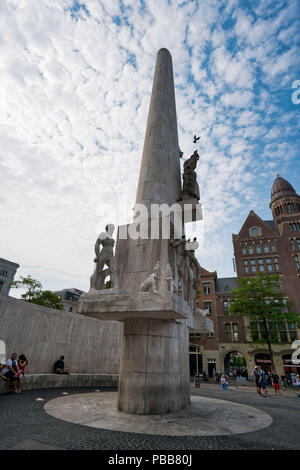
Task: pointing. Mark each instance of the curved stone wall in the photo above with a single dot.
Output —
(43, 334)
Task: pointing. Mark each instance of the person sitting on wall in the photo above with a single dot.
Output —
(11, 372)
(2, 366)
(59, 366)
(22, 363)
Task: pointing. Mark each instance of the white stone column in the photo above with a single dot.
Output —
(154, 373)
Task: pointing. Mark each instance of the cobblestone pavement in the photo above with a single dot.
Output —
(22, 418)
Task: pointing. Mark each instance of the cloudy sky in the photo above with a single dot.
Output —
(74, 94)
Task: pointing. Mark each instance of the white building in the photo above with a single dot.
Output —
(7, 273)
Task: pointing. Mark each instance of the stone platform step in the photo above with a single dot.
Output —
(32, 381)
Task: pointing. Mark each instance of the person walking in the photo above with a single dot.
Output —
(256, 377)
(275, 382)
(263, 383)
(224, 382)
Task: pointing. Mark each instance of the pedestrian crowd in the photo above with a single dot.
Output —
(262, 379)
(13, 370)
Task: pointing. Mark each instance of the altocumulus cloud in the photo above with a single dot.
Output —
(74, 93)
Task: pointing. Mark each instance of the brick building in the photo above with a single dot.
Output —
(204, 349)
(266, 246)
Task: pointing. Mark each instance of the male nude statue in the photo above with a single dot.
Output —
(104, 257)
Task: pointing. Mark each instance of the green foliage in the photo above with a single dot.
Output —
(35, 294)
(237, 360)
(259, 298)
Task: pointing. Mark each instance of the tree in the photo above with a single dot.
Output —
(260, 299)
(35, 294)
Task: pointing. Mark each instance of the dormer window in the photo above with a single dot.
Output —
(255, 231)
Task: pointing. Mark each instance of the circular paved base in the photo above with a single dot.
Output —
(205, 417)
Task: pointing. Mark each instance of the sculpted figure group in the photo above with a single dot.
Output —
(187, 266)
(184, 281)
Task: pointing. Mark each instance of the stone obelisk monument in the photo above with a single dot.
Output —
(157, 274)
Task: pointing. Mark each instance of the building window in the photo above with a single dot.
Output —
(296, 257)
(276, 264)
(253, 265)
(208, 307)
(225, 306)
(254, 231)
(298, 243)
(209, 335)
(228, 331)
(269, 264)
(244, 251)
(293, 245)
(261, 265)
(254, 331)
(273, 248)
(246, 265)
(258, 249)
(231, 332)
(292, 332)
(266, 248)
(1, 284)
(250, 250)
(294, 226)
(206, 288)
(289, 207)
(279, 332)
(235, 331)
(280, 282)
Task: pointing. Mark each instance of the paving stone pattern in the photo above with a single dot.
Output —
(24, 419)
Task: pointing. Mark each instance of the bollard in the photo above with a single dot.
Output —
(197, 381)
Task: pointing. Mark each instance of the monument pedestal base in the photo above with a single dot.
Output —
(154, 372)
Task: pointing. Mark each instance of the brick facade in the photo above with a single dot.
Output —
(267, 246)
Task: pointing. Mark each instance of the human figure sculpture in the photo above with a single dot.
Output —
(150, 284)
(188, 268)
(190, 188)
(171, 285)
(193, 269)
(104, 257)
(179, 245)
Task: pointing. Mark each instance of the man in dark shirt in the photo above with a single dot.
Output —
(59, 366)
(275, 381)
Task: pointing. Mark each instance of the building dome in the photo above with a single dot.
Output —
(281, 188)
